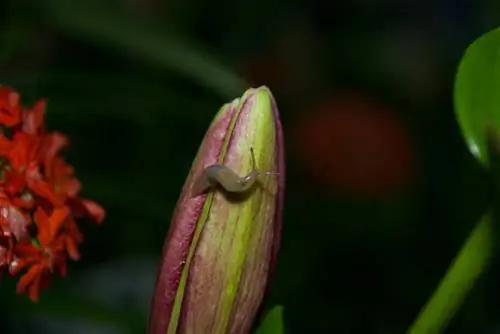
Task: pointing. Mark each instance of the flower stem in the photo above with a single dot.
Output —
(471, 261)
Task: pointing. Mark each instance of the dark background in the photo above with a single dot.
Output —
(381, 190)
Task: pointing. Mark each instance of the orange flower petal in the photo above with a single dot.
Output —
(19, 154)
(10, 111)
(29, 277)
(22, 156)
(19, 264)
(61, 266)
(69, 188)
(44, 229)
(25, 249)
(73, 232)
(34, 288)
(15, 182)
(49, 227)
(25, 254)
(57, 219)
(5, 145)
(91, 208)
(8, 97)
(45, 190)
(51, 145)
(61, 176)
(24, 202)
(33, 119)
(72, 249)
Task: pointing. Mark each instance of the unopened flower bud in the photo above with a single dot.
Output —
(225, 232)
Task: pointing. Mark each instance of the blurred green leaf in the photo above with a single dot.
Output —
(477, 98)
(108, 27)
(472, 261)
(273, 322)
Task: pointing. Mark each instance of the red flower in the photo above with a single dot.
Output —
(64, 183)
(41, 262)
(24, 159)
(39, 200)
(58, 235)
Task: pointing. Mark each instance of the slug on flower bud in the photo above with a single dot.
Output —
(219, 252)
(224, 176)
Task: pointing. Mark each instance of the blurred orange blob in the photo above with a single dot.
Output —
(355, 146)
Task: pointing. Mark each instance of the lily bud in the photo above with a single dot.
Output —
(222, 247)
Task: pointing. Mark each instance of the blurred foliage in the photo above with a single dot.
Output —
(135, 83)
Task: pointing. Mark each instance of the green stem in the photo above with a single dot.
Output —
(471, 261)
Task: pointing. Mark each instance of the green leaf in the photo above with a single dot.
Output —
(273, 322)
(477, 93)
(165, 49)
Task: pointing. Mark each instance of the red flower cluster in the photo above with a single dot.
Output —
(38, 197)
